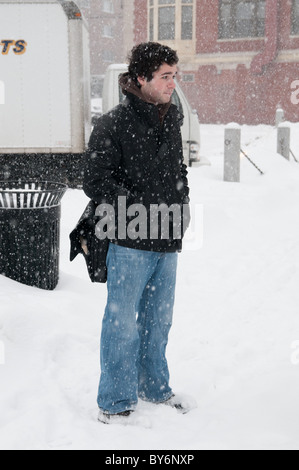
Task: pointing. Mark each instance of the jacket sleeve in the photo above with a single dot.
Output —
(184, 173)
(186, 201)
(102, 176)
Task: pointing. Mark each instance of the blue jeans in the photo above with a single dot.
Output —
(136, 324)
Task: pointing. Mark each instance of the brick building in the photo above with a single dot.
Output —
(238, 58)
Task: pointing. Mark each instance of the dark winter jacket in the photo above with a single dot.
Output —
(136, 151)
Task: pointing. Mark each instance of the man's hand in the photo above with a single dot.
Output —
(84, 246)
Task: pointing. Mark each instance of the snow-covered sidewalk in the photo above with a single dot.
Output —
(236, 319)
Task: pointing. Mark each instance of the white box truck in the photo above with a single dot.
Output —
(112, 96)
(44, 89)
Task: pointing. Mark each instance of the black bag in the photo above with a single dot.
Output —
(97, 249)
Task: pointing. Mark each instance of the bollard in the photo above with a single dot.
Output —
(279, 116)
(283, 140)
(232, 149)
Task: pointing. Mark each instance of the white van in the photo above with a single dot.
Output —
(112, 96)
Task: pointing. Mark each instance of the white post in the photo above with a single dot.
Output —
(279, 116)
(232, 150)
(283, 140)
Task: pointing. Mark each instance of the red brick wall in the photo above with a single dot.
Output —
(241, 94)
(141, 21)
(237, 94)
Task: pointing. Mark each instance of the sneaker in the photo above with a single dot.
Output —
(118, 418)
(181, 404)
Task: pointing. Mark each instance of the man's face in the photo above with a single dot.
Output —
(160, 89)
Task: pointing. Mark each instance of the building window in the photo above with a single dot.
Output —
(188, 77)
(295, 17)
(187, 20)
(108, 56)
(151, 24)
(107, 31)
(108, 6)
(83, 3)
(166, 20)
(171, 20)
(241, 19)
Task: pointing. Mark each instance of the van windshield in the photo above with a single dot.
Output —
(122, 97)
(176, 100)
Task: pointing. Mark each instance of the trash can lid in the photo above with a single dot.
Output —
(30, 194)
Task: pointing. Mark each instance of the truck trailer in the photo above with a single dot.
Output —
(45, 118)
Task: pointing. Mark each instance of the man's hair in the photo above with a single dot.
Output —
(147, 58)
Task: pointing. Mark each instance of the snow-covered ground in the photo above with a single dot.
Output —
(236, 320)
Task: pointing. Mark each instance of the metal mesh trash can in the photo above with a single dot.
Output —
(30, 232)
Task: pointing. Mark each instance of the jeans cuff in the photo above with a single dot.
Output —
(157, 401)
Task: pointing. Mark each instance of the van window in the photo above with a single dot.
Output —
(122, 97)
(176, 100)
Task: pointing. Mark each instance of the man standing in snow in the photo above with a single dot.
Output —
(135, 154)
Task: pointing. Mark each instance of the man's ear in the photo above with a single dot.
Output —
(141, 80)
